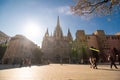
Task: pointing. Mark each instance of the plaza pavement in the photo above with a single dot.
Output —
(59, 72)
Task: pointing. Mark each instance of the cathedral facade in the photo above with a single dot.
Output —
(56, 48)
(60, 48)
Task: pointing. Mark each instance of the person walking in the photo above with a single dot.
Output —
(21, 62)
(94, 57)
(112, 61)
(29, 62)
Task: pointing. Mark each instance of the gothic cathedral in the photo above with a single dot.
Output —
(57, 48)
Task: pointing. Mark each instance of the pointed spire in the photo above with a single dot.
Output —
(58, 31)
(58, 22)
(68, 30)
(47, 33)
(69, 35)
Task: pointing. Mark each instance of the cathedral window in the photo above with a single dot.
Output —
(88, 37)
(107, 37)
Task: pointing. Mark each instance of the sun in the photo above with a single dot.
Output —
(31, 30)
(34, 30)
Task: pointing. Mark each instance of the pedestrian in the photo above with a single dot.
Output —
(29, 62)
(114, 52)
(94, 57)
(112, 61)
(21, 62)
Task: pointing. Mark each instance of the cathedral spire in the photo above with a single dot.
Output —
(69, 35)
(58, 22)
(58, 31)
(47, 33)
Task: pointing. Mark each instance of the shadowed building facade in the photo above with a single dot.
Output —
(56, 48)
(59, 47)
(105, 43)
(20, 48)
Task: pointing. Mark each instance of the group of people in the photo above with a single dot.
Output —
(94, 57)
(22, 62)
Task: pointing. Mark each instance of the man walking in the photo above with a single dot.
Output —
(112, 61)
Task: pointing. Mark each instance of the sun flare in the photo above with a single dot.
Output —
(32, 30)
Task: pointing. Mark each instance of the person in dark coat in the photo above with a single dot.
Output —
(112, 61)
(114, 52)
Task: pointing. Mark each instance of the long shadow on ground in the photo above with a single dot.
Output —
(108, 69)
(6, 66)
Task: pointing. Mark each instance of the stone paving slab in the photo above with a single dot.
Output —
(60, 72)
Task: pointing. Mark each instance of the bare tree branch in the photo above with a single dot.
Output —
(96, 7)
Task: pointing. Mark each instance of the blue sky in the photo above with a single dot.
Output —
(20, 16)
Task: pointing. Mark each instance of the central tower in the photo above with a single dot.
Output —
(56, 47)
(58, 34)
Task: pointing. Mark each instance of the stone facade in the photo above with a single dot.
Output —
(19, 48)
(56, 47)
(59, 47)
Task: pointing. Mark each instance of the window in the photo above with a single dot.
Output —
(112, 37)
(107, 37)
(118, 37)
(88, 37)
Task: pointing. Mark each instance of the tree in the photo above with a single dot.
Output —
(2, 50)
(37, 55)
(74, 55)
(95, 7)
(84, 54)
